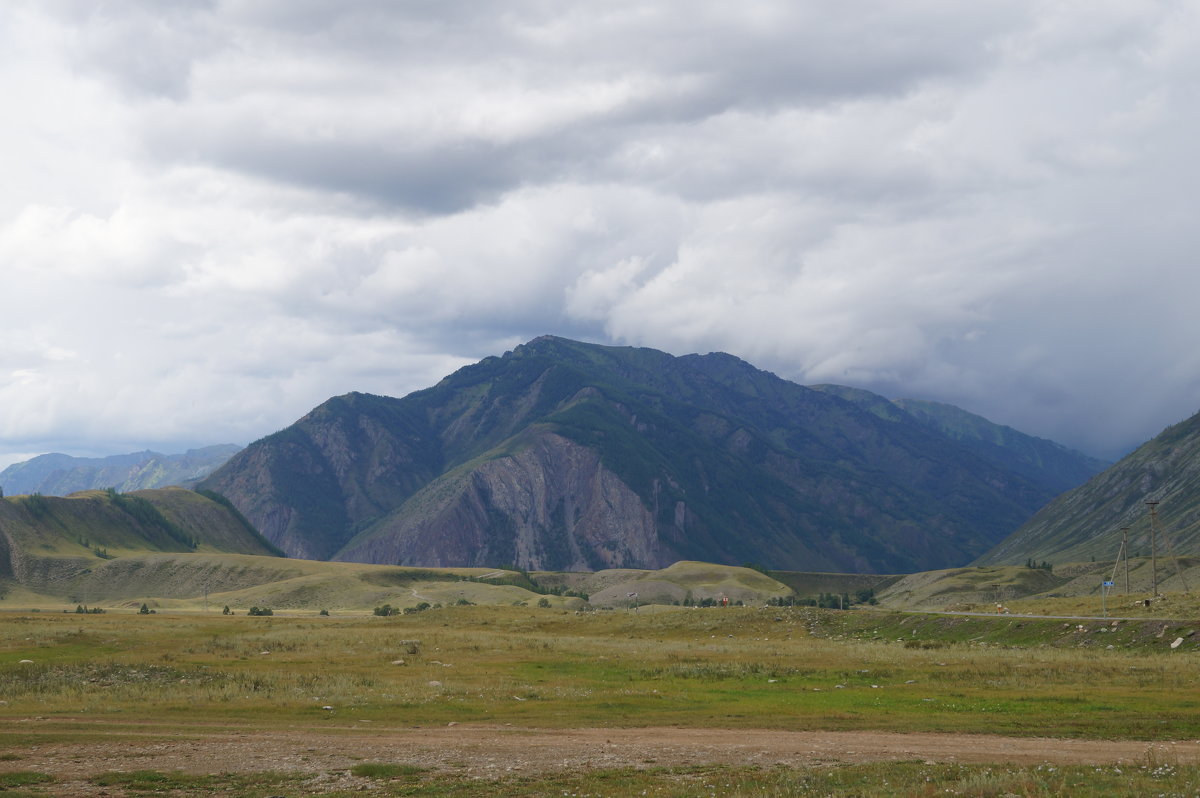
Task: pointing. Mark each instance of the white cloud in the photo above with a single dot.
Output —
(221, 213)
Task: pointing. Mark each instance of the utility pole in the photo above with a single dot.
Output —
(1125, 548)
(1153, 547)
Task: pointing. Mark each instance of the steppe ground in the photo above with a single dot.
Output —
(543, 701)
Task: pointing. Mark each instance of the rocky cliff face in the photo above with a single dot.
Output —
(554, 504)
(562, 455)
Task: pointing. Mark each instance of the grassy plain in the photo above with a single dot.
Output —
(773, 668)
(96, 678)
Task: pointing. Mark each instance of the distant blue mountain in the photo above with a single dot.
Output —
(61, 474)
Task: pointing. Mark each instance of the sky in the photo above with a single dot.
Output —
(216, 215)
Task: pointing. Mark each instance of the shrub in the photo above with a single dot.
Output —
(37, 505)
(380, 770)
(260, 611)
(865, 596)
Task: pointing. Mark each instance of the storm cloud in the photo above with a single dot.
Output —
(218, 214)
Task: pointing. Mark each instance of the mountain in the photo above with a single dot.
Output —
(562, 455)
(62, 475)
(1046, 462)
(49, 540)
(1085, 523)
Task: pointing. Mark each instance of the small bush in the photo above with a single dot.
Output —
(385, 770)
(260, 611)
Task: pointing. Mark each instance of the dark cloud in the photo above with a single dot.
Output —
(256, 204)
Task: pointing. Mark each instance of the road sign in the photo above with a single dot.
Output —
(1108, 584)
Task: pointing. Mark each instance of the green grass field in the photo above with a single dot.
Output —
(778, 668)
(136, 678)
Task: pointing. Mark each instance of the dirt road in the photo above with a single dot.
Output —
(489, 751)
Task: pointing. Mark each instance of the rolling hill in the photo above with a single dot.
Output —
(47, 543)
(562, 455)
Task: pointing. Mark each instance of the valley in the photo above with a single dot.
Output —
(602, 570)
(130, 662)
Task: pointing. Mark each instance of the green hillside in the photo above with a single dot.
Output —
(1085, 524)
(46, 541)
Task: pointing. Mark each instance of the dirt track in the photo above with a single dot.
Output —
(488, 751)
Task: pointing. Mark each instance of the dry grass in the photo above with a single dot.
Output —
(547, 667)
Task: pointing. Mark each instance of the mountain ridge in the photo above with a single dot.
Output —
(565, 454)
(57, 474)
